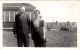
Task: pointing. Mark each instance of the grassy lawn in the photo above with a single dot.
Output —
(54, 39)
(61, 39)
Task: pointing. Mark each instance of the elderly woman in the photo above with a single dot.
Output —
(38, 30)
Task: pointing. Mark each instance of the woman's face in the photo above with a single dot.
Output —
(37, 14)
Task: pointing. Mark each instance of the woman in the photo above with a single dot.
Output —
(38, 30)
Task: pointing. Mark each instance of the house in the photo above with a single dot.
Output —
(11, 9)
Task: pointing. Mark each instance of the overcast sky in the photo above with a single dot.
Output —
(58, 10)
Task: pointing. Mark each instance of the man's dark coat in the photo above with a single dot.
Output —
(21, 29)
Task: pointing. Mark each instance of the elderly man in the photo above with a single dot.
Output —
(21, 29)
(37, 32)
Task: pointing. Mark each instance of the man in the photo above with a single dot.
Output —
(38, 30)
(21, 29)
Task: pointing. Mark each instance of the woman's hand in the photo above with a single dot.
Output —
(15, 35)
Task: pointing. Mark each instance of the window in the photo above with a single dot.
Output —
(12, 16)
(9, 16)
(6, 16)
(3, 16)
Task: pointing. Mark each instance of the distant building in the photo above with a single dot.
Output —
(11, 9)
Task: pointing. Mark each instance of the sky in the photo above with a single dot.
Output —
(60, 11)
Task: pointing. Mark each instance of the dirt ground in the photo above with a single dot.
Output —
(54, 39)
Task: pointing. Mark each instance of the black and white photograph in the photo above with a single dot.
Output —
(40, 24)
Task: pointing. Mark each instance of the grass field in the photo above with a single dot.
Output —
(61, 39)
(54, 39)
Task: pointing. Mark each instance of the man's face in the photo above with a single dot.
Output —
(22, 9)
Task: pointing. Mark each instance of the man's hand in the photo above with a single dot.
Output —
(44, 37)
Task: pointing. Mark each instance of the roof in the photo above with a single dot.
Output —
(15, 6)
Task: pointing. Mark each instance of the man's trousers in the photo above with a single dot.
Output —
(22, 40)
